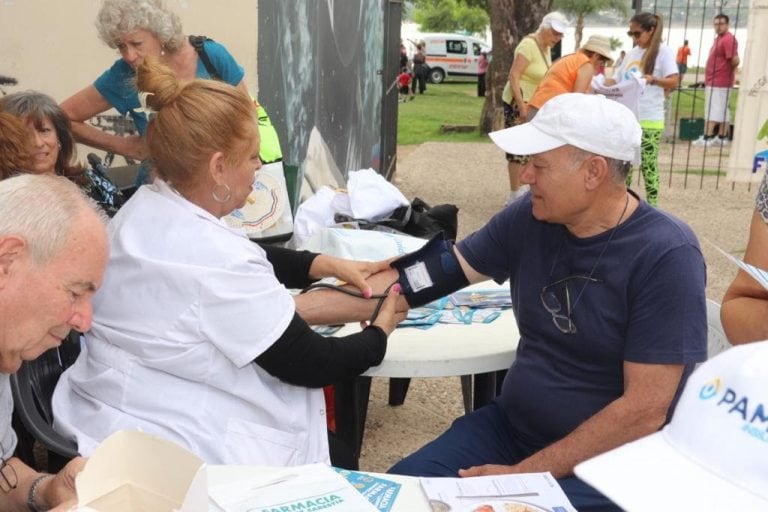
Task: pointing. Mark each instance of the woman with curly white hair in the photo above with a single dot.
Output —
(140, 29)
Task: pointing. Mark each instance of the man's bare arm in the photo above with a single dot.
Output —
(641, 410)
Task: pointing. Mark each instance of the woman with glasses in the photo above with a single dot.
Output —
(656, 63)
(531, 62)
(572, 73)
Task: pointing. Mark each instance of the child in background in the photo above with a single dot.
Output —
(404, 80)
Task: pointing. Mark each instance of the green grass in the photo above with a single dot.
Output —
(453, 103)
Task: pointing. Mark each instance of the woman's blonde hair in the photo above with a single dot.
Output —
(647, 22)
(194, 120)
(119, 17)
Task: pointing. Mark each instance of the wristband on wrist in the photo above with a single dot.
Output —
(32, 496)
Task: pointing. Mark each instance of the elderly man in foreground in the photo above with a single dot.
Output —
(608, 293)
(53, 250)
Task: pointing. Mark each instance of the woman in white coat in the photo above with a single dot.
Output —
(195, 337)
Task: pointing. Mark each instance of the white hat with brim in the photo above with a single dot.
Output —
(713, 455)
(600, 45)
(587, 121)
(650, 475)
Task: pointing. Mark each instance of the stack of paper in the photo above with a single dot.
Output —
(310, 488)
(482, 298)
(523, 492)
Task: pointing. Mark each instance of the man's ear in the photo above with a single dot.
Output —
(12, 249)
(216, 166)
(597, 172)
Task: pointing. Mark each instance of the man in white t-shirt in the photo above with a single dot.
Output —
(53, 250)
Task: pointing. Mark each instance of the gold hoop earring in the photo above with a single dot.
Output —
(227, 192)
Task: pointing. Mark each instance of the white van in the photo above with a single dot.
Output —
(452, 54)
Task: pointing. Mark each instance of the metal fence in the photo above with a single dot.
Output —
(682, 163)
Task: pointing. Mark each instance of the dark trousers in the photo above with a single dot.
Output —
(486, 436)
(481, 85)
(420, 78)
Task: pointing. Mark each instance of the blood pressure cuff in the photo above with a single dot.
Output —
(430, 273)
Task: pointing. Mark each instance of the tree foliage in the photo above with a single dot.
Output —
(450, 15)
(580, 9)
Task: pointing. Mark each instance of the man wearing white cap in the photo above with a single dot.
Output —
(608, 293)
(713, 455)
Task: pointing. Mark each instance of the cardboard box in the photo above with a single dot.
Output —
(135, 471)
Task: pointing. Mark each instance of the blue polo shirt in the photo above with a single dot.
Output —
(647, 305)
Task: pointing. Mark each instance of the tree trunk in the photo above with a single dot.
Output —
(510, 21)
(579, 30)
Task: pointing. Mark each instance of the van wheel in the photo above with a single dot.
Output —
(436, 75)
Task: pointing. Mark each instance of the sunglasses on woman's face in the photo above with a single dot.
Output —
(635, 33)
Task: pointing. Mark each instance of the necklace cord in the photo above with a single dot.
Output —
(602, 252)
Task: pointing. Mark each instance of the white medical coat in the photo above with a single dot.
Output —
(187, 304)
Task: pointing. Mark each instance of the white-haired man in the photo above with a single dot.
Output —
(53, 250)
(608, 293)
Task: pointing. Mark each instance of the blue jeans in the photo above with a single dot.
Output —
(486, 436)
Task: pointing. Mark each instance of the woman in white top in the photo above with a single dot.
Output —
(195, 337)
(656, 63)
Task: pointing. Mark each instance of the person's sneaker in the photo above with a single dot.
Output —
(722, 141)
(700, 142)
(703, 142)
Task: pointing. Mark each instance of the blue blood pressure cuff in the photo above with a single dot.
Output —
(430, 273)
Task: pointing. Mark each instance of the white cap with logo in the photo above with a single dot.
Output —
(713, 455)
(587, 121)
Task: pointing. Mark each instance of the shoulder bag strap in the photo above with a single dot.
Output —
(198, 43)
(544, 58)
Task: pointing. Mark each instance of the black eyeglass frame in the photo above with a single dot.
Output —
(554, 307)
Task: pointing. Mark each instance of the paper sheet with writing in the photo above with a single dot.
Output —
(310, 488)
(523, 492)
(758, 274)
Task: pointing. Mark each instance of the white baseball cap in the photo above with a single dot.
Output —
(555, 20)
(713, 455)
(587, 121)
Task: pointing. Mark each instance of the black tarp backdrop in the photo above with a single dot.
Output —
(326, 65)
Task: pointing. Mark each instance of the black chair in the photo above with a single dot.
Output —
(32, 388)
